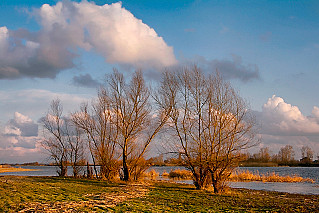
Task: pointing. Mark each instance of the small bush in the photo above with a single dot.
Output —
(181, 174)
(153, 175)
(165, 174)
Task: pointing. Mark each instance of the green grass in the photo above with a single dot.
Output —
(17, 192)
(80, 195)
(168, 197)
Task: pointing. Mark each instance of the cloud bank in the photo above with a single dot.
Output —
(20, 131)
(109, 30)
(35, 102)
(19, 138)
(19, 141)
(21, 126)
(85, 81)
(229, 68)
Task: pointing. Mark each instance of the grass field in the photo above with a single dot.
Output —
(53, 194)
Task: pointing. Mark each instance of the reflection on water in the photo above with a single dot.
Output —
(300, 188)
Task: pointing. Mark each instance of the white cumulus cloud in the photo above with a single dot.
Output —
(283, 123)
(109, 30)
(281, 118)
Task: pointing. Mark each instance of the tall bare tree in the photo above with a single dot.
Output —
(101, 134)
(63, 140)
(76, 152)
(211, 122)
(56, 136)
(136, 121)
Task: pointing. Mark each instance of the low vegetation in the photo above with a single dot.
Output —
(14, 169)
(242, 176)
(151, 175)
(57, 194)
(180, 174)
(271, 177)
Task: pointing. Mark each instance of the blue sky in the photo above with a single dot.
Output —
(264, 48)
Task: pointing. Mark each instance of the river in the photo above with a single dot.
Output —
(300, 188)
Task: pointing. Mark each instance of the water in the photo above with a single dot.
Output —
(39, 171)
(300, 188)
(304, 172)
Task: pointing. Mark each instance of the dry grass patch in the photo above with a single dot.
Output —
(270, 177)
(152, 175)
(13, 169)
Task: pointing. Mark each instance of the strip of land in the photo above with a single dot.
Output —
(13, 169)
(54, 194)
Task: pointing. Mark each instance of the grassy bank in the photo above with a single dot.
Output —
(53, 194)
(13, 169)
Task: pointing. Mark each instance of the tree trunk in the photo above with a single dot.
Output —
(216, 190)
(215, 184)
(126, 174)
(63, 170)
(197, 183)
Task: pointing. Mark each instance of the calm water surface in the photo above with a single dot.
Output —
(300, 188)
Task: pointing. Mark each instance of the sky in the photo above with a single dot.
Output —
(268, 50)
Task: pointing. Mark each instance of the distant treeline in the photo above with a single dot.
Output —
(263, 158)
(285, 157)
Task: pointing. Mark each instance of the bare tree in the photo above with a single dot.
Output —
(77, 150)
(101, 134)
(306, 154)
(211, 122)
(137, 123)
(286, 154)
(56, 136)
(263, 155)
(63, 140)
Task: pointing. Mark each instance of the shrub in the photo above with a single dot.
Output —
(165, 174)
(151, 174)
(180, 174)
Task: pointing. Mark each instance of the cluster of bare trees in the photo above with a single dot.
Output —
(209, 123)
(117, 127)
(285, 156)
